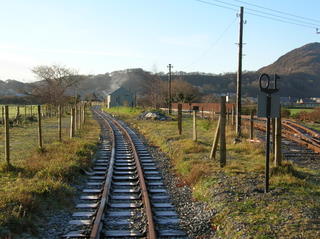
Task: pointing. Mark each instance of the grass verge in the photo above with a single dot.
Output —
(290, 210)
(41, 180)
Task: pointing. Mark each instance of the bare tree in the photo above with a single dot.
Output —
(55, 80)
(154, 92)
(183, 91)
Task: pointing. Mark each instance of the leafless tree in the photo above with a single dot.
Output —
(183, 91)
(153, 92)
(54, 81)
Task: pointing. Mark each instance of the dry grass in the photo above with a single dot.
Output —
(290, 210)
(24, 138)
(39, 180)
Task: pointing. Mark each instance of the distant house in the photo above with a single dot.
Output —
(119, 97)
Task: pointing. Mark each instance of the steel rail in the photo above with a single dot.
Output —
(306, 129)
(298, 132)
(151, 233)
(301, 139)
(96, 228)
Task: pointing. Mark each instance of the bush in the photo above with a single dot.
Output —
(285, 113)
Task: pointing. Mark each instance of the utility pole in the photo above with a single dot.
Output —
(239, 78)
(169, 90)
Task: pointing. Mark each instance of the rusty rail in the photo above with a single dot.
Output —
(292, 131)
(151, 233)
(306, 129)
(96, 228)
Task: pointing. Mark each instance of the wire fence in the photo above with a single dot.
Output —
(22, 127)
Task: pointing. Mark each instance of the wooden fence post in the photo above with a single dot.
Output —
(25, 112)
(277, 153)
(232, 115)
(228, 116)
(75, 117)
(180, 118)
(39, 128)
(46, 110)
(251, 124)
(6, 135)
(215, 141)
(18, 111)
(223, 132)
(18, 116)
(202, 116)
(72, 121)
(2, 114)
(84, 113)
(273, 122)
(31, 111)
(59, 123)
(194, 125)
(78, 116)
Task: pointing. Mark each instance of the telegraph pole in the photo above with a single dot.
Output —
(169, 90)
(239, 78)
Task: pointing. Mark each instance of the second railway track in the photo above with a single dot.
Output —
(125, 195)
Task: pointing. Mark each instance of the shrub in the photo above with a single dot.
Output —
(285, 113)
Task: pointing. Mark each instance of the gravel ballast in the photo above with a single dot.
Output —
(195, 216)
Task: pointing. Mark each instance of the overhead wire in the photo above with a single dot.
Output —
(280, 20)
(266, 15)
(270, 14)
(217, 5)
(217, 40)
(281, 12)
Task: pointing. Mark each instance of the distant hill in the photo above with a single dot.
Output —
(13, 88)
(299, 70)
(305, 60)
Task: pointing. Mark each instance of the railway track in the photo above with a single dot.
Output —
(293, 131)
(125, 195)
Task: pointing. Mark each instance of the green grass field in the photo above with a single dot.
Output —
(296, 111)
(290, 210)
(25, 110)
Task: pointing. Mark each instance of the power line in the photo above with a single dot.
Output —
(270, 14)
(285, 18)
(280, 20)
(266, 15)
(217, 5)
(216, 41)
(285, 13)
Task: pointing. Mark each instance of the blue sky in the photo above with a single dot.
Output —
(101, 36)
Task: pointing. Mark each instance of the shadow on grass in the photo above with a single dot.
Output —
(9, 168)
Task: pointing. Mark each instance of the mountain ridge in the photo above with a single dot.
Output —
(305, 59)
(299, 70)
